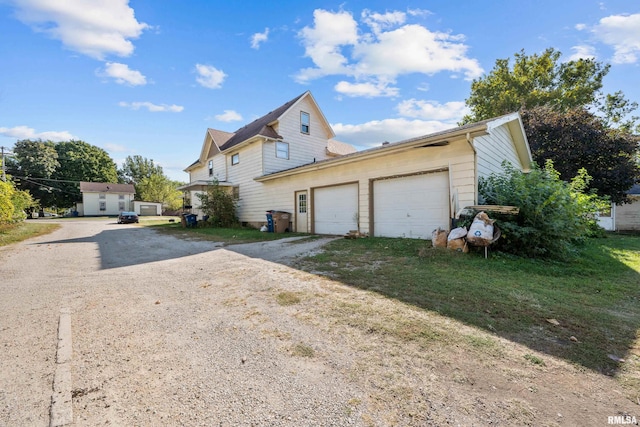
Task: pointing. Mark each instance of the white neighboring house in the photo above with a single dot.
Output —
(105, 198)
(147, 208)
(288, 161)
(624, 217)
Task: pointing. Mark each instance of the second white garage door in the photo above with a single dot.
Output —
(411, 206)
(335, 209)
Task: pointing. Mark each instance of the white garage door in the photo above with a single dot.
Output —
(148, 210)
(411, 206)
(335, 209)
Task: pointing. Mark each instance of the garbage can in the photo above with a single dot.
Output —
(191, 219)
(281, 220)
(270, 228)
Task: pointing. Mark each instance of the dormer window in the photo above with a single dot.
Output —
(210, 167)
(282, 150)
(304, 122)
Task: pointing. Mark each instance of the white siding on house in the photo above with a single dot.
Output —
(628, 215)
(303, 148)
(91, 203)
(252, 203)
(493, 149)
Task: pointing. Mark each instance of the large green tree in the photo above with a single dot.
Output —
(80, 161)
(135, 169)
(535, 80)
(578, 139)
(33, 165)
(557, 100)
(159, 188)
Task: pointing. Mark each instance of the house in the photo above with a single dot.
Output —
(104, 198)
(624, 217)
(402, 189)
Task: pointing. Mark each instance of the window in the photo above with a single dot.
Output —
(103, 206)
(235, 159)
(282, 150)
(120, 206)
(103, 196)
(210, 167)
(120, 196)
(304, 122)
(235, 192)
(302, 203)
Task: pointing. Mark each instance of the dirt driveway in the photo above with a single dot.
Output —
(177, 332)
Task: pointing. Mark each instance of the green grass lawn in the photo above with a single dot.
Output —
(586, 311)
(226, 235)
(13, 233)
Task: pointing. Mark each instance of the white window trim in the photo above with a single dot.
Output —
(286, 144)
(235, 159)
(308, 124)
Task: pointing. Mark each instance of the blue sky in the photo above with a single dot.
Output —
(148, 77)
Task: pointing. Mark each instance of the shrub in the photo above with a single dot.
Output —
(554, 215)
(219, 205)
(13, 203)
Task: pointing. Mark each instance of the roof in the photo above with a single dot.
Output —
(261, 126)
(634, 190)
(437, 138)
(337, 148)
(106, 187)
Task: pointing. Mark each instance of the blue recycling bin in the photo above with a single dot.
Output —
(270, 221)
(192, 220)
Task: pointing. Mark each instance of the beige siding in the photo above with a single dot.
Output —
(252, 201)
(493, 149)
(303, 148)
(628, 215)
(279, 194)
(219, 170)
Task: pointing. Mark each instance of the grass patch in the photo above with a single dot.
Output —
(302, 350)
(225, 235)
(14, 233)
(534, 359)
(287, 298)
(595, 298)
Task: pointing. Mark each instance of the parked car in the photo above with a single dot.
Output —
(128, 218)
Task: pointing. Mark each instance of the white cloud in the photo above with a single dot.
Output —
(432, 110)
(209, 76)
(123, 74)
(580, 27)
(367, 89)
(374, 133)
(259, 38)
(337, 46)
(153, 108)
(228, 116)
(114, 148)
(622, 32)
(25, 132)
(95, 28)
(582, 52)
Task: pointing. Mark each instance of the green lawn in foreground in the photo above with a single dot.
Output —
(595, 298)
(13, 233)
(227, 235)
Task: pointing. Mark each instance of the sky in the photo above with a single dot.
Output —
(148, 77)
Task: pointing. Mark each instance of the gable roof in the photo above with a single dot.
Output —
(338, 148)
(513, 121)
(106, 187)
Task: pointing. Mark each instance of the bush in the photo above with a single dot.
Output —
(13, 203)
(219, 205)
(554, 215)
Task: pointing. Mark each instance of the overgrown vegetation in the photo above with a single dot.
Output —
(219, 205)
(595, 298)
(13, 203)
(553, 215)
(18, 232)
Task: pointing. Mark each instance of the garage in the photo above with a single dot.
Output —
(335, 209)
(411, 206)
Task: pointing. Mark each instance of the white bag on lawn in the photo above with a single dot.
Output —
(481, 230)
(457, 233)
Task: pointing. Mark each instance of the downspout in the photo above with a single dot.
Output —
(475, 166)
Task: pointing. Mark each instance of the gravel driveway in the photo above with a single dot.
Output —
(169, 332)
(164, 332)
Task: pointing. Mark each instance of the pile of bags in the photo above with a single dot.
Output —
(480, 233)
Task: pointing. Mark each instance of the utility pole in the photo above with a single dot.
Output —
(4, 163)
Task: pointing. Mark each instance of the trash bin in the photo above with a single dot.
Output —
(281, 220)
(191, 220)
(270, 221)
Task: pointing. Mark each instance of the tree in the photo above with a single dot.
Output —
(535, 80)
(34, 164)
(80, 161)
(13, 203)
(219, 205)
(136, 168)
(554, 215)
(159, 188)
(578, 139)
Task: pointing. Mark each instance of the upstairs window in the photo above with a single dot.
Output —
(210, 167)
(304, 122)
(102, 196)
(235, 159)
(120, 196)
(282, 150)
